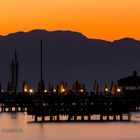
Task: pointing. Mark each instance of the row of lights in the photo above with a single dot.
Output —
(62, 91)
(30, 90)
(118, 90)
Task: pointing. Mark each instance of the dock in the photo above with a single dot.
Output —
(71, 107)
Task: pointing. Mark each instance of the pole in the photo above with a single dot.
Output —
(41, 75)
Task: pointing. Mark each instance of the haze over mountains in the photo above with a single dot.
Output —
(68, 56)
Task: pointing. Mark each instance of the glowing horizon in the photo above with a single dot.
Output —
(108, 20)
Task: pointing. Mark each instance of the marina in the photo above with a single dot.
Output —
(77, 104)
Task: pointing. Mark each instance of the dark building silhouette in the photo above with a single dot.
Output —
(130, 82)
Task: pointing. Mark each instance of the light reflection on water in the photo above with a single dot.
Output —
(16, 126)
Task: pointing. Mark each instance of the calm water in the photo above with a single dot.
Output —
(17, 127)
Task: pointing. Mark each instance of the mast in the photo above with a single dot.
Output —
(16, 71)
(41, 73)
(42, 85)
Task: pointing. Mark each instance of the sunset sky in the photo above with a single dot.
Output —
(104, 19)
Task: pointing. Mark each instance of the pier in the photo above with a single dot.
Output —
(71, 106)
(85, 107)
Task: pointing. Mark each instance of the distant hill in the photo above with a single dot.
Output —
(68, 56)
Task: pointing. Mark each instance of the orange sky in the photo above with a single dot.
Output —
(105, 19)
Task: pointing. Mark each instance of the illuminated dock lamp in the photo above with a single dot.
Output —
(106, 90)
(2, 90)
(25, 87)
(54, 90)
(25, 90)
(81, 90)
(31, 90)
(63, 90)
(45, 90)
(118, 90)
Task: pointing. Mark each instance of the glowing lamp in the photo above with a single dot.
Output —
(118, 90)
(45, 90)
(81, 90)
(31, 90)
(25, 90)
(106, 89)
(63, 90)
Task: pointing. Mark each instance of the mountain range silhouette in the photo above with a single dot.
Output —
(68, 56)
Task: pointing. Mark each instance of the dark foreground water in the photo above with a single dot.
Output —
(17, 127)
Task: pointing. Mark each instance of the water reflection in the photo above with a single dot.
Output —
(10, 129)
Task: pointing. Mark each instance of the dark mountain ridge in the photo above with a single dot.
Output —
(68, 56)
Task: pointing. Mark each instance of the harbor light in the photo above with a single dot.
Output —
(63, 90)
(81, 90)
(25, 90)
(2, 90)
(25, 87)
(106, 89)
(45, 90)
(54, 90)
(118, 90)
(31, 90)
